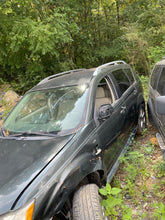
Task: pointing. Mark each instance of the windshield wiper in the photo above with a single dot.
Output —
(33, 133)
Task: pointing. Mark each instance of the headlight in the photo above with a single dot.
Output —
(25, 213)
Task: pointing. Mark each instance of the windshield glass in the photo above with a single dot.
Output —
(52, 110)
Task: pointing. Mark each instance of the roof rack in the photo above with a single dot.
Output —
(59, 74)
(108, 64)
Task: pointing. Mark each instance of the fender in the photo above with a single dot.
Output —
(52, 187)
(70, 180)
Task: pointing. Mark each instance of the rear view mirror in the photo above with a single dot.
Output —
(160, 105)
(105, 111)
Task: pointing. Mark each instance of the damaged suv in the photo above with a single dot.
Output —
(63, 140)
(156, 101)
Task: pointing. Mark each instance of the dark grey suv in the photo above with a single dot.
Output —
(63, 140)
(156, 101)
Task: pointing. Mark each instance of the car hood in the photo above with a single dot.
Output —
(21, 161)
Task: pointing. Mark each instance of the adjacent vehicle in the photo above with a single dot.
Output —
(156, 101)
(63, 140)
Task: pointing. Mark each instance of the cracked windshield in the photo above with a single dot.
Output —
(53, 110)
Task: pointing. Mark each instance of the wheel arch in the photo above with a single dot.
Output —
(95, 177)
(71, 183)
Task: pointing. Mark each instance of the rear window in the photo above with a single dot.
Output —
(154, 74)
(161, 82)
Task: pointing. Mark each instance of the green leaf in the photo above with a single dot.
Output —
(115, 191)
(103, 191)
(163, 217)
(108, 188)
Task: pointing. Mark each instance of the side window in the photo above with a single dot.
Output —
(154, 75)
(130, 76)
(122, 80)
(104, 94)
(161, 83)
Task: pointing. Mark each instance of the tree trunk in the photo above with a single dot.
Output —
(117, 10)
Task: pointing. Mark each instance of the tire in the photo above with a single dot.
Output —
(86, 203)
(149, 116)
(95, 178)
(142, 121)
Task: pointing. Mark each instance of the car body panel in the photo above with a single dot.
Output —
(156, 90)
(19, 168)
(51, 187)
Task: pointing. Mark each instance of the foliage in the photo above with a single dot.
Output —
(159, 210)
(113, 202)
(41, 38)
(135, 188)
(32, 43)
(156, 53)
(145, 81)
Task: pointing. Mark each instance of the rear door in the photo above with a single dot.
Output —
(160, 90)
(153, 93)
(127, 92)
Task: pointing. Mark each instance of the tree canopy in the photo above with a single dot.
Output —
(41, 38)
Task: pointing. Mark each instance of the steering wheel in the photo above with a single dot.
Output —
(52, 105)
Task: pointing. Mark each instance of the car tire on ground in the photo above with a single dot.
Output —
(86, 203)
(142, 122)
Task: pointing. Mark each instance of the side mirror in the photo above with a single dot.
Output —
(105, 111)
(160, 105)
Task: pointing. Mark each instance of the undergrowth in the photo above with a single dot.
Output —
(138, 189)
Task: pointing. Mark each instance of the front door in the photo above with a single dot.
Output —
(109, 130)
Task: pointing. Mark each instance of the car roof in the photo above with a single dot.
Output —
(161, 62)
(77, 77)
(74, 77)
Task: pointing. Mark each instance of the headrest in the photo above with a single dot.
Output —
(100, 93)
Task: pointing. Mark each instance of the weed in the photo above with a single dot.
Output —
(144, 131)
(7, 108)
(160, 169)
(112, 201)
(127, 213)
(159, 211)
(138, 190)
(149, 149)
(131, 187)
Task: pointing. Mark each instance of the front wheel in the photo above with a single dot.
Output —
(142, 123)
(86, 203)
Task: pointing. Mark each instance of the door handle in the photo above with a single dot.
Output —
(123, 108)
